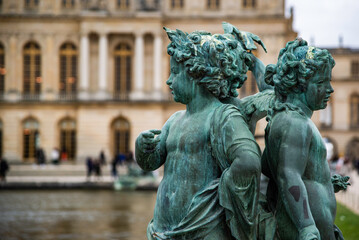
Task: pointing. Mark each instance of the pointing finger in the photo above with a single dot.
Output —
(155, 131)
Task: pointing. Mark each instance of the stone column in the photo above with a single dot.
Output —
(138, 68)
(48, 70)
(102, 72)
(157, 57)
(84, 66)
(13, 65)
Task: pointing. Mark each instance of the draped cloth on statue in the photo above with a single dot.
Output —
(222, 200)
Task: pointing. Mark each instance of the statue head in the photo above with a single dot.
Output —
(216, 62)
(302, 69)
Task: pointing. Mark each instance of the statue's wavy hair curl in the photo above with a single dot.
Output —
(215, 61)
(297, 64)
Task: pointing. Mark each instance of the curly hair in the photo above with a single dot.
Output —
(297, 64)
(214, 61)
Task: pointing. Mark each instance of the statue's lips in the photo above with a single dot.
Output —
(326, 99)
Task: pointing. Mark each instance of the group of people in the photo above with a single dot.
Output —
(212, 163)
(121, 159)
(94, 166)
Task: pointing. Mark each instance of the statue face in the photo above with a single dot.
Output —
(319, 89)
(180, 83)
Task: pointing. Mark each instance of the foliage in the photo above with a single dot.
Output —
(348, 223)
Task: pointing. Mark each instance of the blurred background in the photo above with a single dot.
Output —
(80, 79)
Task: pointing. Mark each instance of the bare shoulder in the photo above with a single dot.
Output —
(174, 117)
(290, 124)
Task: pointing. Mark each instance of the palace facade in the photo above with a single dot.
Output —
(89, 75)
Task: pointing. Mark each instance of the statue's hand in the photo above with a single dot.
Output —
(251, 61)
(339, 182)
(310, 232)
(147, 141)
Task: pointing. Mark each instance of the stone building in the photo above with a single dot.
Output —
(89, 75)
(339, 122)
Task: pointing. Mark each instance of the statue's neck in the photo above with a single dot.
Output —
(300, 101)
(202, 101)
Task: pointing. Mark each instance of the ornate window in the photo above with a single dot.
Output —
(177, 4)
(123, 4)
(325, 116)
(68, 139)
(2, 70)
(68, 4)
(32, 70)
(31, 139)
(354, 111)
(355, 68)
(68, 70)
(121, 136)
(213, 4)
(31, 4)
(249, 3)
(123, 71)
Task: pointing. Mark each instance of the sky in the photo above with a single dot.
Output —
(322, 22)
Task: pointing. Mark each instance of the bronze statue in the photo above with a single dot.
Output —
(300, 190)
(212, 164)
(211, 161)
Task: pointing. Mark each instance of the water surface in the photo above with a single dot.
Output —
(75, 214)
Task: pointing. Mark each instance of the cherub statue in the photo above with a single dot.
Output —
(210, 186)
(300, 191)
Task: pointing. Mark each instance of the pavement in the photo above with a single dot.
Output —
(69, 176)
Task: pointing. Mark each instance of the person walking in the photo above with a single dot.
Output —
(97, 169)
(55, 155)
(89, 166)
(102, 158)
(4, 168)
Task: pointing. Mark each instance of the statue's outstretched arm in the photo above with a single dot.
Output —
(258, 69)
(292, 162)
(150, 151)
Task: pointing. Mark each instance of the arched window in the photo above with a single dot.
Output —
(68, 70)
(123, 4)
(32, 70)
(121, 136)
(68, 4)
(31, 4)
(325, 116)
(213, 4)
(249, 3)
(2, 70)
(177, 4)
(352, 150)
(68, 139)
(31, 139)
(123, 71)
(354, 111)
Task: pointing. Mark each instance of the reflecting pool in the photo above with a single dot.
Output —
(75, 214)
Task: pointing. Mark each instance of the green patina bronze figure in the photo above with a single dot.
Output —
(212, 164)
(210, 187)
(300, 191)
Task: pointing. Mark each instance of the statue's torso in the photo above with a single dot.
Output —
(316, 177)
(189, 168)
